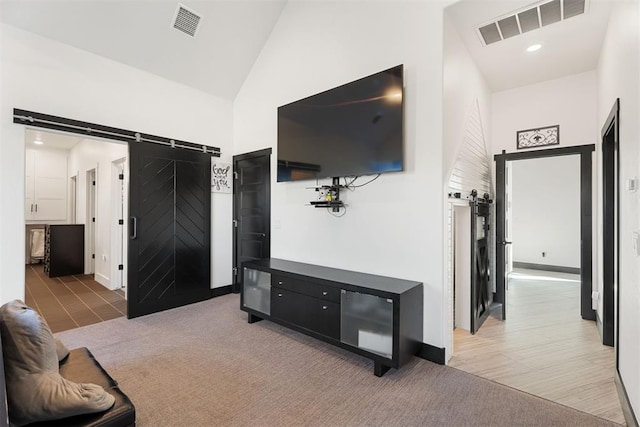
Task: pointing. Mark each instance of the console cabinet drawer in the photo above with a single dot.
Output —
(324, 292)
(307, 312)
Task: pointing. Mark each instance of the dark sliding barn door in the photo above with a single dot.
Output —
(169, 241)
(480, 262)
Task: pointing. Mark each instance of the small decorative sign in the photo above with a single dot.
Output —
(539, 137)
(221, 181)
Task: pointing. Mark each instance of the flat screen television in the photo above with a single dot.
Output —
(351, 130)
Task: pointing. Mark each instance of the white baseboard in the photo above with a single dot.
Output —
(103, 280)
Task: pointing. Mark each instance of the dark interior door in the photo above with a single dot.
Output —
(500, 295)
(610, 206)
(170, 230)
(251, 209)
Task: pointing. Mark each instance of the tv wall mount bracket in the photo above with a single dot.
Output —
(330, 196)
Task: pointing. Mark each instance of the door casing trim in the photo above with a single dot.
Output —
(586, 215)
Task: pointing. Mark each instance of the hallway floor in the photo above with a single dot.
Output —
(544, 347)
(69, 302)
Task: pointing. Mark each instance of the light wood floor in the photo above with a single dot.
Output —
(544, 347)
(69, 302)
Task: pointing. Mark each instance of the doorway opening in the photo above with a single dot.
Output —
(119, 209)
(59, 169)
(543, 340)
(542, 234)
(607, 305)
(462, 266)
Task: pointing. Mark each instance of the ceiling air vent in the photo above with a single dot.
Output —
(186, 20)
(530, 18)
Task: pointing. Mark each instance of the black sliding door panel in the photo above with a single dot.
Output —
(169, 246)
(480, 268)
(192, 227)
(156, 266)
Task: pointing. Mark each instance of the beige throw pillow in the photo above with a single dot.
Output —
(35, 389)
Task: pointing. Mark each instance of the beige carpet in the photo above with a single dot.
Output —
(204, 365)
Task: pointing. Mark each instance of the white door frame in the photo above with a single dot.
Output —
(119, 232)
(73, 198)
(91, 220)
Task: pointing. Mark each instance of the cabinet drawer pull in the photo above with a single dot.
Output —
(279, 282)
(325, 293)
(279, 295)
(324, 307)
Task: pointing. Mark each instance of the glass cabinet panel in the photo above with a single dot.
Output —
(257, 290)
(366, 321)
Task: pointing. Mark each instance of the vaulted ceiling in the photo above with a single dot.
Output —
(232, 33)
(139, 33)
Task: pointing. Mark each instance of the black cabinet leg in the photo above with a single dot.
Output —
(252, 318)
(379, 369)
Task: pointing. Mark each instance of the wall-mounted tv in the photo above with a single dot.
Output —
(351, 130)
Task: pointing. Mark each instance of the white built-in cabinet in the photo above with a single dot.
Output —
(46, 185)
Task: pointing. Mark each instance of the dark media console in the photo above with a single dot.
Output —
(373, 316)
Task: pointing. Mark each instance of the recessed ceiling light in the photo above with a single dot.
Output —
(38, 142)
(534, 47)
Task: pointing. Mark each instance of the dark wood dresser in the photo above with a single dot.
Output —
(64, 250)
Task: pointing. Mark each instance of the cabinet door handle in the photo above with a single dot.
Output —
(36, 208)
(279, 282)
(324, 307)
(325, 293)
(279, 295)
(31, 207)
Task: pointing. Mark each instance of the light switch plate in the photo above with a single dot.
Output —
(594, 299)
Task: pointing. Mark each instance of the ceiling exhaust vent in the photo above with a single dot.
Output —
(530, 18)
(186, 20)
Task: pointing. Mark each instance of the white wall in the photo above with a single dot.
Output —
(466, 131)
(94, 154)
(465, 89)
(42, 75)
(569, 102)
(394, 226)
(618, 73)
(546, 211)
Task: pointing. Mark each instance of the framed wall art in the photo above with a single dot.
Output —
(221, 180)
(538, 137)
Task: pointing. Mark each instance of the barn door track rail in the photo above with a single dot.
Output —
(47, 121)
